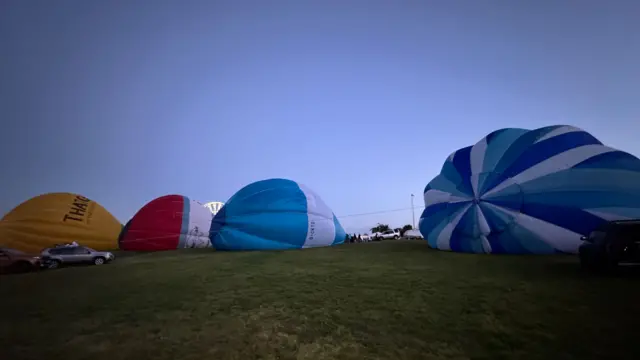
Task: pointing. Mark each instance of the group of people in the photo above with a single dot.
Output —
(353, 238)
(73, 244)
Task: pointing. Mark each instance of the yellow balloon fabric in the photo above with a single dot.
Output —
(59, 218)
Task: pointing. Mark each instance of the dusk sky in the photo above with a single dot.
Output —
(362, 101)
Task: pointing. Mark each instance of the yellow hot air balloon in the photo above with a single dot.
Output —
(59, 218)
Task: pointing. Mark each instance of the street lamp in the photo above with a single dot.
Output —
(413, 214)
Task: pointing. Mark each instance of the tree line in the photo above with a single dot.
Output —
(384, 227)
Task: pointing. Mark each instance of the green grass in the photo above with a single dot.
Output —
(388, 300)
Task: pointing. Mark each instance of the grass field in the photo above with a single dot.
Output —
(387, 300)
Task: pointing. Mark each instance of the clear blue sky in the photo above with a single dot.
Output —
(124, 101)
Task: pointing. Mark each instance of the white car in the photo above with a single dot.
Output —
(387, 235)
(413, 234)
(365, 237)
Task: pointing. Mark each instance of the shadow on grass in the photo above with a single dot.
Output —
(557, 266)
(569, 267)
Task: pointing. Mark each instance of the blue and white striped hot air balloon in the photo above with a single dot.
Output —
(275, 214)
(529, 191)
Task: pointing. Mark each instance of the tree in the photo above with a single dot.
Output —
(405, 228)
(380, 228)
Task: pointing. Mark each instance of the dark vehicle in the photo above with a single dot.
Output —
(15, 261)
(66, 255)
(612, 244)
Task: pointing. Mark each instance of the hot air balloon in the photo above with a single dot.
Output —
(59, 218)
(168, 223)
(275, 214)
(529, 191)
(214, 206)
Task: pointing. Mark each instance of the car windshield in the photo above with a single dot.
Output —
(597, 236)
(90, 249)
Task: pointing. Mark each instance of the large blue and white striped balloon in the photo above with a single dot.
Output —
(529, 191)
(275, 214)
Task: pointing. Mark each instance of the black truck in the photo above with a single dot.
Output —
(610, 245)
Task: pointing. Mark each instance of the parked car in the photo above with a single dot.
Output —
(413, 234)
(66, 255)
(612, 244)
(16, 261)
(386, 235)
(365, 237)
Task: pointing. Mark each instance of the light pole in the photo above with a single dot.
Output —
(413, 214)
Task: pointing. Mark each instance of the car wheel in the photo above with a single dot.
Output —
(396, 237)
(53, 264)
(98, 261)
